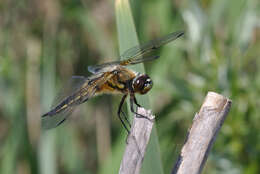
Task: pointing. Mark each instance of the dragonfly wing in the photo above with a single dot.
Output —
(135, 55)
(56, 117)
(72, 85)
(53, 120)
(78, 91)
(111, 65)
(103, 67)
(136, 60)
(139, 50)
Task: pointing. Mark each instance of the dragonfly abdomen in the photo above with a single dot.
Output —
(63, 105)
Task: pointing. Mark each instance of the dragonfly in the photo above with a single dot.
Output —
(112, 78)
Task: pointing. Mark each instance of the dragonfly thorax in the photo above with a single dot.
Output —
(142, 84)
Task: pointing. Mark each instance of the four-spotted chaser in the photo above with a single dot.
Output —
(112, 77)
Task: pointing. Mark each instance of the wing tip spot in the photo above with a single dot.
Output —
(61, 122)
(180, 33)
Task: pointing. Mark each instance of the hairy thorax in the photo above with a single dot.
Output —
(119, 81)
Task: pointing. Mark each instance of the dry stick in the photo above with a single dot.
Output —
(202, 134)
(137, 142)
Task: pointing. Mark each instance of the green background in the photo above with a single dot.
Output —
(44, 43)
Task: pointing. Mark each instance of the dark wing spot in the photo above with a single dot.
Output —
(44, 115)
(61, 122)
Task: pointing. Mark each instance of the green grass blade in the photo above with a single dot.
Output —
(127, 39)
(47, 152)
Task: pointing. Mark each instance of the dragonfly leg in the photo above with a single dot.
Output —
(120, 111)
(136, 102)
(132, 101)
(125, 117)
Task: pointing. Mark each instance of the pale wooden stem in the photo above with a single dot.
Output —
(202, 134)
(137, 142)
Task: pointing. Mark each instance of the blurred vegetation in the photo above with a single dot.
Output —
(44, 43)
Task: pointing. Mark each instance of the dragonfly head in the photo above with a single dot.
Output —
(142, 84)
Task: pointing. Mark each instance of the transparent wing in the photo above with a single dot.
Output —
(52, 119)
(70, 87)
(103, 67)
(78, 91)
(139, 50)
(134, 55)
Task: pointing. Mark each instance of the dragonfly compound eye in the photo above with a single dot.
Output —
(142, 84)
